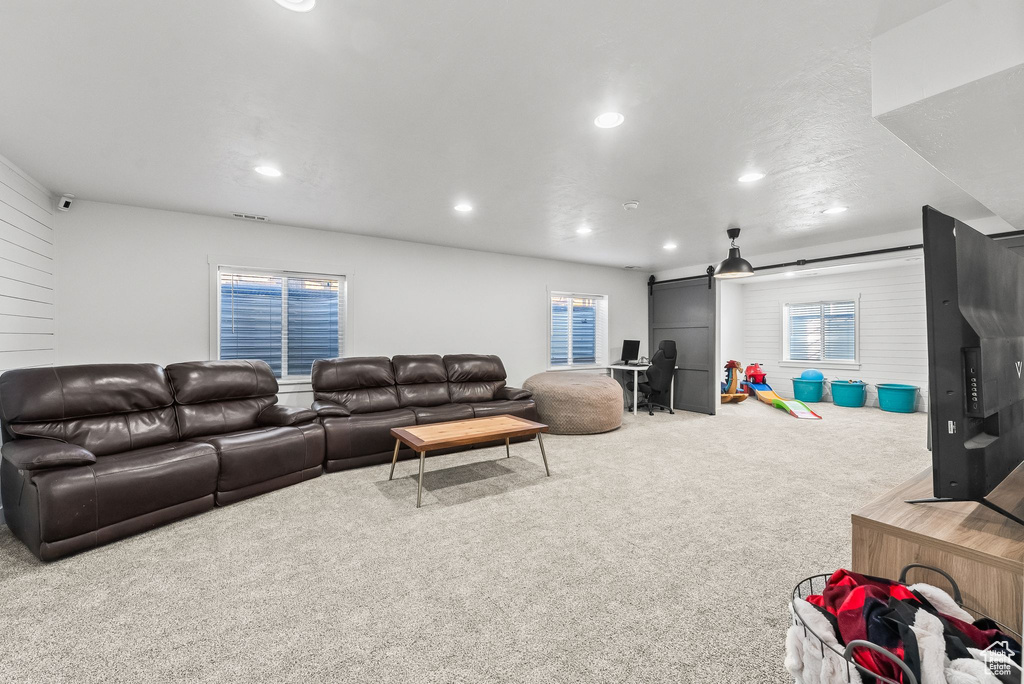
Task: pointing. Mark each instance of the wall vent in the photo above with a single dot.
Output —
(250, 217)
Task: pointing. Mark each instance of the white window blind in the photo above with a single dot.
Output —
(579, 329)
(286, 319)
(821, 331)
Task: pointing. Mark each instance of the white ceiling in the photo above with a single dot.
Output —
(383, 114)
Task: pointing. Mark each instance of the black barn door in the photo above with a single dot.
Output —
(685, 312)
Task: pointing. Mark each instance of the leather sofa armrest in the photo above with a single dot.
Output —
(512, 393)
(329, 408)
(279, 416)
(37, 454)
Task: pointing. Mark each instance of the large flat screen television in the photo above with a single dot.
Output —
(975, 301)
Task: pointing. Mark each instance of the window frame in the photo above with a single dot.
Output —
(270, 268)
(600, 331)
(824, 363)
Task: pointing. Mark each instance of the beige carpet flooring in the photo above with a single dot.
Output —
(662, 552)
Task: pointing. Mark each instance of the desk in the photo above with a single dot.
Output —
(637, 370)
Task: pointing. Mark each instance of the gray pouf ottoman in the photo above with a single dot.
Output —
(575, 403)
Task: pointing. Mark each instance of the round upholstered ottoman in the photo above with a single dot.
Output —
(574, 403)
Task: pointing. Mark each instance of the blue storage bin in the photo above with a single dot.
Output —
(849, 393)
(807, 390)
(897, 398)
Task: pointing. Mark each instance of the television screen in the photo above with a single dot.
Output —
(975, 301)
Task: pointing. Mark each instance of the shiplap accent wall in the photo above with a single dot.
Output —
(27, 272)
(893, 343)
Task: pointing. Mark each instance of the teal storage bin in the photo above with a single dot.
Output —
(897, 398)
(807, 390)
(849, 393)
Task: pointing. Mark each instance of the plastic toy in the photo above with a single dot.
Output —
(754, 373)
(757, 386)
(731, 391)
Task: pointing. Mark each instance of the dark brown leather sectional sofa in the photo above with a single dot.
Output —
(96, 453)
(359, 400)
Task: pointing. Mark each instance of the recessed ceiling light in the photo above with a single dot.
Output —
(750, 177)
(297, 5)
(835, 210)
(268, 171)
(790, 274)
(584, 230)
(463, 207)
(609, 120)
(669, 245)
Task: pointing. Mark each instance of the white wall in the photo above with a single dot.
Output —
(27, 271)
(729, 332)
(893, 345)
(134, 286)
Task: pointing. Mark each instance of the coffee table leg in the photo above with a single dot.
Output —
(540, 440)
(508, 454)
(419, 492)
(394, 459)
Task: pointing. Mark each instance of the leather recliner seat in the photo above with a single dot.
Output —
(359, 400)
(100, 452)
(232, 406)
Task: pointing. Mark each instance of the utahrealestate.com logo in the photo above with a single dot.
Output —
(998, 657)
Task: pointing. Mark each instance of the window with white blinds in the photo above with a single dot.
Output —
(821, 331)
(285, 319)
(579, 329)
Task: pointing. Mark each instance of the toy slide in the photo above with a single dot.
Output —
(797, 409)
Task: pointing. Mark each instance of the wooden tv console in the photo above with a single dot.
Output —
(982, 550)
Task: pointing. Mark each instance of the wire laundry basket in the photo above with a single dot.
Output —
(815, 584)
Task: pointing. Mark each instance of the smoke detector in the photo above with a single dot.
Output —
(250, 217)
(630, 205)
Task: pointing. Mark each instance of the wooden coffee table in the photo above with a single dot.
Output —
(455, 433)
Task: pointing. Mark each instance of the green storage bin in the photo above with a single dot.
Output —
(808, 390)
(849, 393)
(897, 398)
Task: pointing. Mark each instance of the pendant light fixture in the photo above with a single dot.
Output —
(734, 265)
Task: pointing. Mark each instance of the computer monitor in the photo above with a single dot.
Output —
(630, 350)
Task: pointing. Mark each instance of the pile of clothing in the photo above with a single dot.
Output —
(938, 641)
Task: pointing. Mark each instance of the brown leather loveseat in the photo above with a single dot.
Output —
(360, 399)
(100, 452)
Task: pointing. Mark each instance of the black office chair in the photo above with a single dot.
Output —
(655, 389)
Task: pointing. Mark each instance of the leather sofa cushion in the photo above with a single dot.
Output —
(364, 434)
(144, 480)
(426, 394)
(37, 395)
(196, 382)
(359, 384)
(253, 456)
(220, 417)
(329, 408)
(418, 369)
(474, 377)
(277, 415)
(441, 414)
(355, 372)
(513, 393)
(75, 501)
(109, 434)
(36, 454)
(422, 380)
(524, 408)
